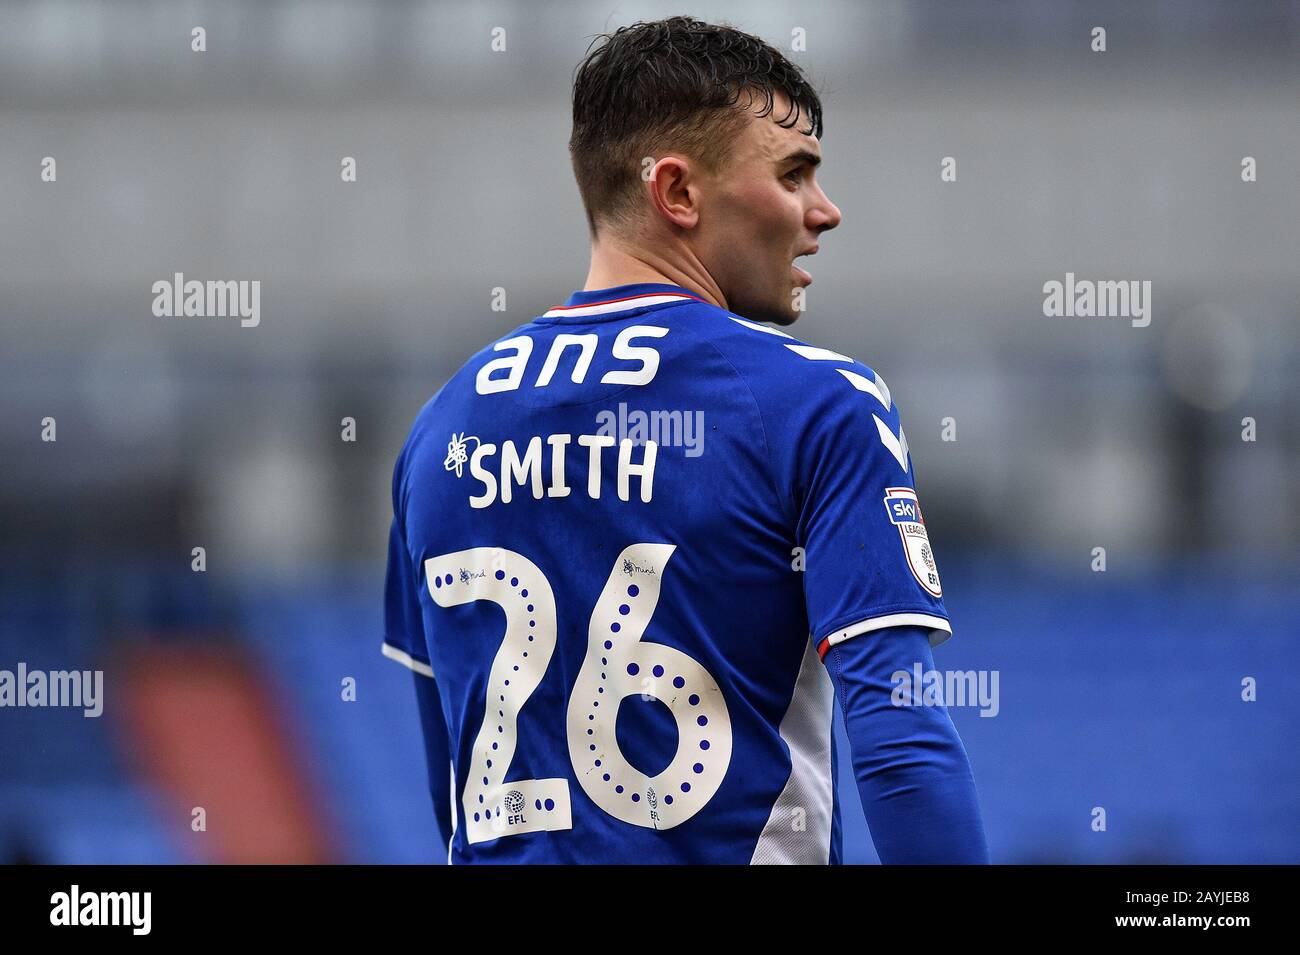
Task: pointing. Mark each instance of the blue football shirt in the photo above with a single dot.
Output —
(623, 536)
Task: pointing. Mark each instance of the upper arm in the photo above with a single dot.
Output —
(868, 558)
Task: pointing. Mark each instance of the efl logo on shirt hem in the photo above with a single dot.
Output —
(904, 512)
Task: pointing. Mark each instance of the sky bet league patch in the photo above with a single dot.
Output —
(905, 512)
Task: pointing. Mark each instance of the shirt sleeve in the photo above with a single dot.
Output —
(868, 559)
(403, 619)
(912, 770)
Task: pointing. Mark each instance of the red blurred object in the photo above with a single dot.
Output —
(204, 727)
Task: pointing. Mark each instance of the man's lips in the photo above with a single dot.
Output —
(801, 275)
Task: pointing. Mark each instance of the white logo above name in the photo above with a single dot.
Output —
(507, 372)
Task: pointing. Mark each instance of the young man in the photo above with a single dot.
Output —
(642, 540)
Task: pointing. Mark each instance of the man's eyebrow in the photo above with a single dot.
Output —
(803, 155)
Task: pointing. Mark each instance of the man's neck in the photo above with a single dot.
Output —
(613, 265)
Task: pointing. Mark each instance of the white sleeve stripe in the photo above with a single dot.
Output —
(813, 353)
(406, 660)
(939, 627)
(759, 328)
(452, 841)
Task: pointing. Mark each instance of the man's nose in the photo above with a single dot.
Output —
(825, 215)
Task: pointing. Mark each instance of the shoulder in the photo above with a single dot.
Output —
(467, 382)
(428, 432)
(798, 384)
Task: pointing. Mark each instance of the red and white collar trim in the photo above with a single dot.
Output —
(618, 304)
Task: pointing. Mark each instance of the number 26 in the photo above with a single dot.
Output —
(617, 664)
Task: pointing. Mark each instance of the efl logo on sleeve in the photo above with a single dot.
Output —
(905, 513)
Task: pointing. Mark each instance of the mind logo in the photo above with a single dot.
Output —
(458, 452)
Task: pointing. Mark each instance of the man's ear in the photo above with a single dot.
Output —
(674, 191)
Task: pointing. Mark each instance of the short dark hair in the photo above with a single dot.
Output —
(675, 84)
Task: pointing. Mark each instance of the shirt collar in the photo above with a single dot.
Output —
(620, 298)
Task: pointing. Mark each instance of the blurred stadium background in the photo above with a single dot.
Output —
(222, 689)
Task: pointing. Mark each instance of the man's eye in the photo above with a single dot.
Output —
(795, 174)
